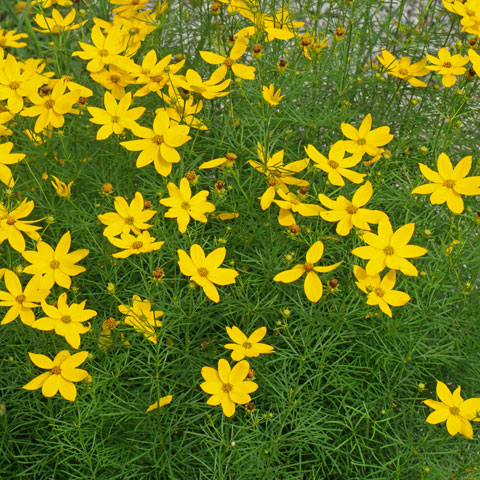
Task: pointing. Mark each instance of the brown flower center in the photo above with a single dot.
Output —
(185, 205)
(203, 272)
(103, 53)
(157, 139)
(247, 345)
(66, 319)
(54, 264)
(361, 141)
(56, 370)
(352, 209)
(229, 62)
(49, 103)
(308, 267)
(403, 71)
(114, 78)
(11, 220)
(110, 323)
(380, 293)
(271, 182)
(129, 220)
(447, 65)
(14, 85)
(137, 245)
(115, 119)
(449, 183)
(227, 387)
(388, 250)
(333, 164)
(454, 410)
(20, 298)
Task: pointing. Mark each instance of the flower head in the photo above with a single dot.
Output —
(404, 69)
(57, 23)
(247, 346)
(7, 158)
(134, 245)
(271, 96)
(448, 66)
(228, 386)
(63, 190)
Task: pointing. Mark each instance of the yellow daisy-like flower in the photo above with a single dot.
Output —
(458, 413)
(390, 249)
(205, 271)
(63, 190)
(161, 402)
(448, 184)
(56, 24)
(61, 375)
(380, 291)
(134, 245)
(227, 161)
(183, 205)
(404, 69)
(67, 321)
(336, 165)
(313, 286)
(7, 158)
(228, 386)
(141, 317)
(448, 66)
(56, 266)
(247, 346)
(271, 96)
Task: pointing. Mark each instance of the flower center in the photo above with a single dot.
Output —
(333, 164)
(115, 119)
(447, 65)
(137, 245)
(203, 272)
(157, 78)
(229, 62)
(185, 205)
(49, 103)
(10, 220)
(54, 264)
(20, 298)
(449, 183)
(158, 139)
(227, 387)
(308, 267)
(14, 85)
(66, 319)
(454, 410)
(361, 141)
(247, 345)
(110, 323)
(403, 71)
(380, 293)
(56, 370)
(352, 209)
(388, 250)
(103, 53)
(114, 78)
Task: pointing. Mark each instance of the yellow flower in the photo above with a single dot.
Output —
(158, 145)
(350, 213)
(63, 190)
(448, 66)
(205, 271)
(161, 402)
(336, 165)
(390, 249)
(271, 96)
(313, 286)
(228, 386)
(11, 227)
(127, 217)
(227, 161)
(115, 117)
(10, 39)
(230, 62)
(475, 59)
(449, 183)
(56, 24)
(380, 291)
(247, 347)
(403, 69)
(141, 317)
(21, 301)
(458, 413)
(211, 88)
(7, 158)
(134, 245)
(114, 79)
(183, 205)
(56, 266)
(291, 203)
(62, 373)
(365, 140)
(67, 321)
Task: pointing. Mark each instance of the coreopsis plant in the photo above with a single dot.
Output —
(350, 214)
(365, 140)
(161, 402)
(141, 317)
(448, 66)
(116, 116)
(50, 109)
(7, 158)
(57, 23)
(230, 62)
(271, 96)
(390, 249)
(159, 144)
(12, 227)
(475, 59)
(247, 346)
(212, 88)
(114, 79)
(452, 408)
(127, 217)
(66, 320)
(289, 203)
(134, 244)
(448, 184)
(10, 39)
(227, 161)
(206, 271)
(50, 3)
(62, 189)
(404, 69)
(228, 386)
(21, 300)
(183, 206)
(55, 265)
(380, 291)
(312, 286)
(61, 375)
(337, 166)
